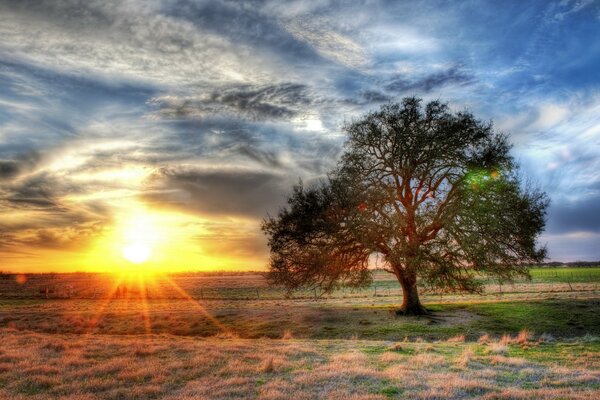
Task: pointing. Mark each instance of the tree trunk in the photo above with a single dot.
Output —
(411, 305)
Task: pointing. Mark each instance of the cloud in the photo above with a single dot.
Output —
(232, 239)
(37, 216)
(568, 7)
(74, 237)
(114, 41)
(329, 43)
(435, 81)
(263, 102)
(582, 215)
(373, 96)
(572, 246)
(237, 192)
(215, 108)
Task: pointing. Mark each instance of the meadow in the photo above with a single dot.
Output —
(208, 336)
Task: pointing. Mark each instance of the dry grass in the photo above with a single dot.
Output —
(224, 349)
(396, 347)
(267, 365)
(287, 335)
(484, 339)
(523, 337)
(465, 358)
(91, 367)
(456, 339)
(498, 347)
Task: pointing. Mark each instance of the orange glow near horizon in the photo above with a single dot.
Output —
(146, 241)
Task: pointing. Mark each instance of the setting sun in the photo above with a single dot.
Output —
(137, 253)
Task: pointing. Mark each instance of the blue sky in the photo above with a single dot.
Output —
(217, 107)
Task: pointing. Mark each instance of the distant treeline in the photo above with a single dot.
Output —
(555, 264)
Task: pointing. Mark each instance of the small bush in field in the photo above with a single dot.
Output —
(506, 339)
(456, 339)
(523, 337)
(396, 347)
(484, 339)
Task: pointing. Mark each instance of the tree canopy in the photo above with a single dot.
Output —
(434, 194)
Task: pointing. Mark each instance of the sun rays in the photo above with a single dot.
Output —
(136, 293)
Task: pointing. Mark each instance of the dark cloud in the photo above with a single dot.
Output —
(222, 239)
(217, 192)
(39, 191)
(435, 81)
(374, 96)
(576, 216)
(9, 169)
(266, 102)
(74, 236)
(53, 222)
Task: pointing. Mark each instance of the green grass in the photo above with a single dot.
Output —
(572, 275)
(323, 320)
(559, 317)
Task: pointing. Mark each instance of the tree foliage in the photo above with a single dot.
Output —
(435, 195)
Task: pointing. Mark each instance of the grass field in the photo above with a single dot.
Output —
(533, 339)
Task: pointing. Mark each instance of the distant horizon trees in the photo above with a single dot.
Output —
(435, 195)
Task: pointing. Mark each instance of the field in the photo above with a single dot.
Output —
(85, 336)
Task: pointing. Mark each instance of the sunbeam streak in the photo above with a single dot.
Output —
(197, 305)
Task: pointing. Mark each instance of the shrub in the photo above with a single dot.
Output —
(456, 339)
(484, 339)
(523, 337)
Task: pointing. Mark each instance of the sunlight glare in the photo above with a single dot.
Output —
(137, 253)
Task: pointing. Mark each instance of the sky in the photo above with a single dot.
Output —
(165, 131)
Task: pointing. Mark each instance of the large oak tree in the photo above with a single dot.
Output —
(435, 195)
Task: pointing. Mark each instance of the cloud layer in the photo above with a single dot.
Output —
(215, 108)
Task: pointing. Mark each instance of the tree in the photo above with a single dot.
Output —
(435, 195)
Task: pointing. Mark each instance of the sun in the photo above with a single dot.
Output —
(137, 252)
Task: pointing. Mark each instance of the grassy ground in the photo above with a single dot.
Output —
(318, 320)
(45, 366)
(535, 339)
(253, 286)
